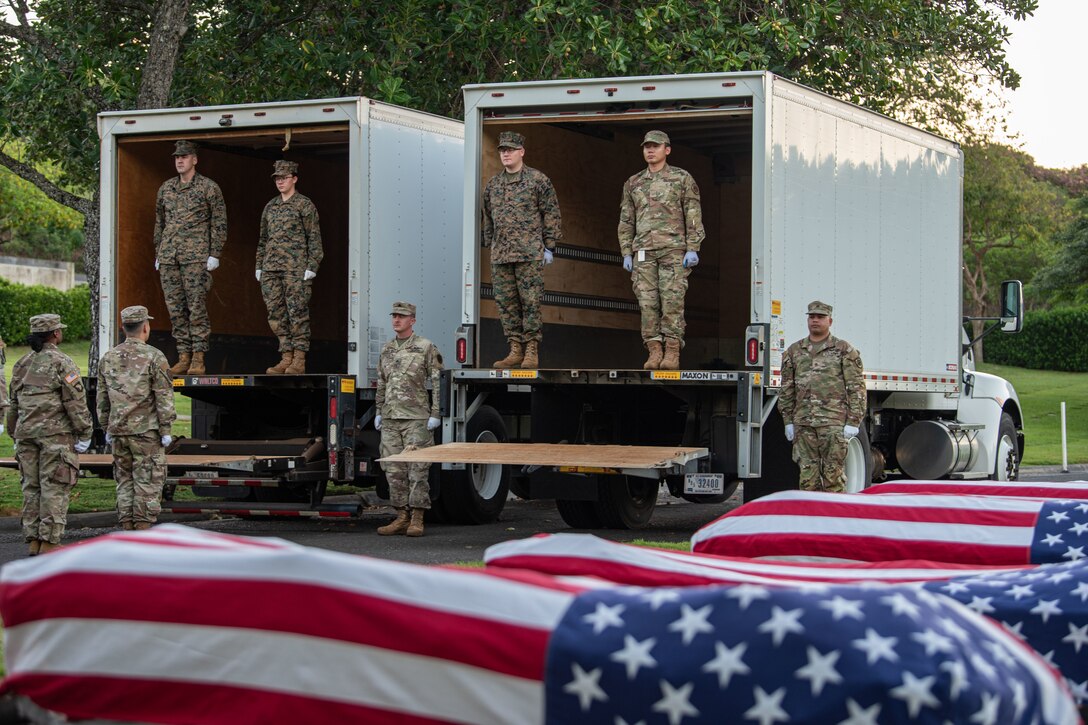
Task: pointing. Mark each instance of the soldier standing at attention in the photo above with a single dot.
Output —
(3, 388)
(190, 231)
(522, 226)
(136, 409)
(660, 232)
(288, 254)
(406, 415)
(50, 422)
(822, 401)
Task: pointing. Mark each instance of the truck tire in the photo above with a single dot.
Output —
(477, 494)
(858, 466)
(626, 502)
(1007, 459)
(579, 514)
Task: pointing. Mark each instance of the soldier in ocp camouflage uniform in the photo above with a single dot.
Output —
(288, 254)
(136, 408)
(406, 415)
(3, 388)
(522, 226)
(822, 401)
(660, 233)
(190, 231)
(50, 422)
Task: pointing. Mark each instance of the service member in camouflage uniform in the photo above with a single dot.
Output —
(288, 255)
(50, 422)
(136, 409)
(660, 233)
(406, 415)
(190, 231)
(521, 224)
(822, 401)
(3, 388)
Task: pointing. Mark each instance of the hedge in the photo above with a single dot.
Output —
(1051, 340)
(19, 302)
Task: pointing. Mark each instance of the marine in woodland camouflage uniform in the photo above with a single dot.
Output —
(661, 220)
(823, 399)
(289, 252)
(49, 419)
(190, 232)
(520, 221)
(408, 410)
(136, 409)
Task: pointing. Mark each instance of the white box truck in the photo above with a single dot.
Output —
(804, 197)
(387, 182)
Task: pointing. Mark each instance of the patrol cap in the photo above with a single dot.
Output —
(656, 137)
(184, 148)
(511, 140)
(135, 313)
(284, 168)
(819, 308)
(404, 308)
(46, 323)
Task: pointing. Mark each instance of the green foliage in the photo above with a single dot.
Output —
(18, 303)
(33, 225)
(1065, 280)
(1050, 340)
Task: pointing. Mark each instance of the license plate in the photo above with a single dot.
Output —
(710, 483)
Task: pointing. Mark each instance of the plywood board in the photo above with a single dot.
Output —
(552, 454)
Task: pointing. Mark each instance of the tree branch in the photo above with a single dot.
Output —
(47, 187)
(24, 33)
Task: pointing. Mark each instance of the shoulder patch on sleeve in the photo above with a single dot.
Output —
(71, 377)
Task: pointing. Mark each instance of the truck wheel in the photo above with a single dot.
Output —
(626, 502)
(478, 494)
(859, 462)
(1007, 461)
(579, 514)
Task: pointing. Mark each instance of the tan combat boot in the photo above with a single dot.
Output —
(532, 355)
(182, 365)
(44, 547)
(33, 547)
(298, 363)
(281, 367)
(196, 367)
(141, 526)
(513, 358)
(397, 526)
(653, 362)
(126, 526)
(416, 527)
(671, 361)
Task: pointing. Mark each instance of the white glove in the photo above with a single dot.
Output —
(109, 440)
(213, 264)
(1, 429)
(258, 275)
(167, 440)
(548, 257)
(628, 262)
(433, 423)
(83, 446)
(377, 422)
(691, 259)
(849, 431)
(308, 275)
(789, 432)
(156, 265)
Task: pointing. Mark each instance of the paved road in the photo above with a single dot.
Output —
(674, 520)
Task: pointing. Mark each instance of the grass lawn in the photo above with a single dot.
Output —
(1041, 394)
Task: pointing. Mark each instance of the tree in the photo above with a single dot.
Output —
(62, 62)
(33, 225)
(1065, 280)
(1008, 218)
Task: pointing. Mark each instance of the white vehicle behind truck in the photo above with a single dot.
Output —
(804, 197)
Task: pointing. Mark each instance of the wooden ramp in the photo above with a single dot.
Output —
(553, 454)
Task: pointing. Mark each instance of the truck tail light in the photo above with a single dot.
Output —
(462, 350)
(332, 408)
(752, 355)
(754, 345)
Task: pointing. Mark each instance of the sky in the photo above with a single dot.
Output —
(1049, 110)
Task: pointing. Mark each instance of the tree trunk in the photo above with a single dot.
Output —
(92, 224)
(169, 26)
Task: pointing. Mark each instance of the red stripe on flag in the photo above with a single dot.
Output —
(846, 509)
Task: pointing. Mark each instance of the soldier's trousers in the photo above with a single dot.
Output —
(139, 470)
(660, 282)
(820, 452)
(408, 482)
(287, 297)
(518, 289)
(48, 468)
(185, 287)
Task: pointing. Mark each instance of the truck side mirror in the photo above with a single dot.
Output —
(1012, 305)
